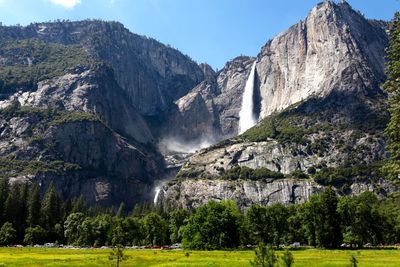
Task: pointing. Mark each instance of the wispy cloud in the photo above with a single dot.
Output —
(69, 4)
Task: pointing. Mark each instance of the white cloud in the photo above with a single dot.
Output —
(70, 4)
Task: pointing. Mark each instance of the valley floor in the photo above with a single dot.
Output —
(44, 257)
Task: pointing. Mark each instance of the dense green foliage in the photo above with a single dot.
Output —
(340, 176)
(299, 121)
(34, 235)
(30, 61)
(284, 127)
(324, 221)
(213, 226)
(51, 116)
(7, 234)
(10, 166)
(245, 173)
(392, 86)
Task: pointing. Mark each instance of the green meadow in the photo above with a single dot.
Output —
(98, 257)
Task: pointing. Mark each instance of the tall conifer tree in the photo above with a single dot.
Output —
(34, 206)
(392, 86)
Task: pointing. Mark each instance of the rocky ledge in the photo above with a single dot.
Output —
(191, 194)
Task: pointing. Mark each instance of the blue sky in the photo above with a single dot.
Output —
(212, 31)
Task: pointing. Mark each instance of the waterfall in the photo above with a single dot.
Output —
(246, 114)
(157, 190)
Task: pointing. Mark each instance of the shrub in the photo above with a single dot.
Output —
(34, 235)
(287, 259)
(345, 175)
(298, 174)
(246, 173)
(7, 234)
(264, 257)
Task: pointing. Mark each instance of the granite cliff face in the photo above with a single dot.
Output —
(191, 194)
(88, 89)
(321, 110)
(77, 152)
(71, 123)
(138, 62)
(210, 111)
(163, 85)
(89, 105)
(84, 69)
(334, 49)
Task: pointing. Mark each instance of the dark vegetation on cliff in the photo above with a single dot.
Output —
(335, 113)
(29, 61)
(44, 118)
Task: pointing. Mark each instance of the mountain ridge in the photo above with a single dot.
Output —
(316, 93)
(321, 123)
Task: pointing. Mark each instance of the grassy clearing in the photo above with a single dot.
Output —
(96, 257)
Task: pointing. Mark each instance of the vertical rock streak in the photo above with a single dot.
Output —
(247, 118)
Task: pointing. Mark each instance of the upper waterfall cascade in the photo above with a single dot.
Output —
(247, 119)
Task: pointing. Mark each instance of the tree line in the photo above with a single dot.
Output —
(324, 221)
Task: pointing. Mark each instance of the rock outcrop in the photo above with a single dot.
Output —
(88, 89)
(153, 75)
(87, 101)
(191, 194)
(75, 127)
(77, 152)
(288, 157)
(334, 49)
(210, 111)
(320, 106)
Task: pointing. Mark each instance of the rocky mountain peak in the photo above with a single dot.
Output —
(334, 48)
(318, 85)
(208, 71)
(97, 76)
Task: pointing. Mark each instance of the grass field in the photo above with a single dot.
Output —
(96, 257)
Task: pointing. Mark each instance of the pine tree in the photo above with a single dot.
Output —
(22, 210)
(12, 205)
(4, 189)
(67, 209)
(15, 208)
(287, 259)
(392, 86)
(264, 257)
(331, 235)
(78, 205)
(117, 254)
(34, 206)
(51, 211)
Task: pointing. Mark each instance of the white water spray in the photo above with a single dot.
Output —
(246, 114)
(157, 190)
